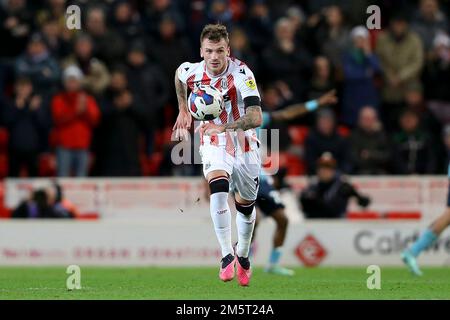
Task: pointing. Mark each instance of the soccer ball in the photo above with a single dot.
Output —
(205, 102)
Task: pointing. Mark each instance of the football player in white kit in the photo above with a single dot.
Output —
(229, 148)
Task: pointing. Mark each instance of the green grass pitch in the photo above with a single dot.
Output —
(203, 283)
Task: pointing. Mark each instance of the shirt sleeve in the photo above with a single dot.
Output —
(246, 83)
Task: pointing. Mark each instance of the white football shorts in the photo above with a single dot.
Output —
(243, 169)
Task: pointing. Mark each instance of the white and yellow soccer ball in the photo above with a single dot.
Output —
(205, 102)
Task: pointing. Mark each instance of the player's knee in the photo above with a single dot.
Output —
(246, 209)
(219, 184)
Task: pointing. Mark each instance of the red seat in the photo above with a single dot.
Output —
(343, 131)
(295, 166)
(150, 165)
(298, 134)
(4, 138)
(3, 165)
(47, 165)
(4, 212)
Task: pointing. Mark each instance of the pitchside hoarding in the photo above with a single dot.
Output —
(193, 243)
(168, 197)
(166, 222)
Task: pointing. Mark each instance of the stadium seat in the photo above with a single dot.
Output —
(53, 138)
(298, 134)
(4, 212)
(3, 165)
(295, 166)
(4, 137)
(343, 131)
(151, 164)
(47, 165)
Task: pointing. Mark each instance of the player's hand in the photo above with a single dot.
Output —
(182, 125)
(208, 129)
(328, 98)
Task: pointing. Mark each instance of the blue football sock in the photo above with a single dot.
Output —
(275, 256)
(424, 241)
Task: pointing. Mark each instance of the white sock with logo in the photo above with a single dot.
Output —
(245, 225)
(221, 216)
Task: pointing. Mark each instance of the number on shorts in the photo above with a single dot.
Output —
(257, 181)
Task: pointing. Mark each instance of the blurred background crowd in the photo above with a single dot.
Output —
(100, 101)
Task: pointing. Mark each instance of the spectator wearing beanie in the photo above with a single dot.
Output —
(75, 113)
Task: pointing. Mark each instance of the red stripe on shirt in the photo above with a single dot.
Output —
(233, 97)
(190, 82)
(205, 79)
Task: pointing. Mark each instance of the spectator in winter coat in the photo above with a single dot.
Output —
(26, 121)
(359, 67)
(369, 145)
(124, 120)
(96, 76)
(75, 113)
(412, 147)
(38, 65)
(324, 138)
(401, 55)
(148, 83)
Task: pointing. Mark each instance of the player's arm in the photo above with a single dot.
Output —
(184, 119)
(181, 90)
(299, 109)
(251, 119)
(246, 84)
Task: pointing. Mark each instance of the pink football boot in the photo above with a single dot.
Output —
(227, 268)
(244, 271)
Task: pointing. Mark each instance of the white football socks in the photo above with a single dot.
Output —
(221, 216)
(245, 225)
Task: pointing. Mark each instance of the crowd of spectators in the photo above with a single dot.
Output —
(102, 99)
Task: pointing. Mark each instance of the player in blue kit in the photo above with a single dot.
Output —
(268, 199)
(427, 238)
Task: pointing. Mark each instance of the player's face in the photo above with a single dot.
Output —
(215, 55)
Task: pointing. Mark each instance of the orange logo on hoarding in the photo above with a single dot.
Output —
(310, 251)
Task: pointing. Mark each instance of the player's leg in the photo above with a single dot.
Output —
(426, 239)
(246, 183)
(252, 242)
(270, 204)
(221, 216)
(282, 222)
(217, 167)
(245, 222)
